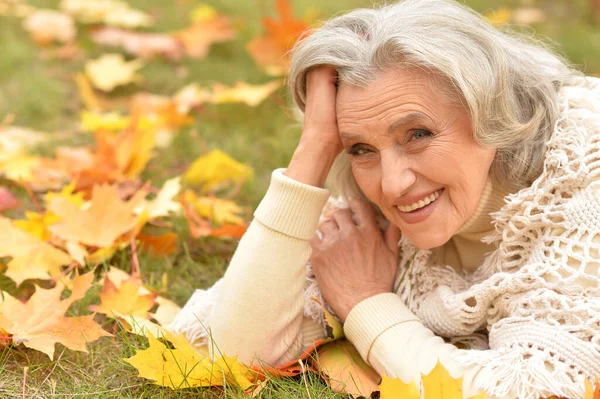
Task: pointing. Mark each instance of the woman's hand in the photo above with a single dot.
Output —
(354, 260)
(320, 141)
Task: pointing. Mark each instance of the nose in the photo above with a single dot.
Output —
(397, 175)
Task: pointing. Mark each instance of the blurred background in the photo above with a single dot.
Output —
(38, 90)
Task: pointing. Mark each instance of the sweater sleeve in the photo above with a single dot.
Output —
(396, 344)
(258, 314)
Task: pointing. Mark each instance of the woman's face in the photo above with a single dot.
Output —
(413, 154)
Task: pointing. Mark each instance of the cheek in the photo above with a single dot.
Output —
(369, 182)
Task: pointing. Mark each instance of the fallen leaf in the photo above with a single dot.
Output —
(110, 12)
(37, 224)
(271, 51)
(216, 169)
(87, 94)
(345, 370)
(220, 211)
(242, 92)
(101, 223)
(124, 300)
(182, 366)
(111, 70)
(163, 204)
(203, 12)
(394, 388)
(7, 200)
(437, 384)
(161, 244)
(32, 258)
(140, 44)
(166, 311)
(95, 121)
(40, 322)
(47, 26)
(197, 38)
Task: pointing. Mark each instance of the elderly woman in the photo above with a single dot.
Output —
(481, 152)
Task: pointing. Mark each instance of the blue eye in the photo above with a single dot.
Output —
(421, 134)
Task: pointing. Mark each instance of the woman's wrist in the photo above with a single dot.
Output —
(310, 165)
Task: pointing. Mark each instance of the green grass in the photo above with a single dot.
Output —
(41, 94)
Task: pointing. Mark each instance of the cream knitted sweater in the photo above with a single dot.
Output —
(536, 296)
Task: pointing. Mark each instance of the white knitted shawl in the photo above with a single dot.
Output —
(537, 296)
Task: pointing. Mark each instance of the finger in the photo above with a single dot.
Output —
(391, 237)
(328, 227)
(343, 218)
(364, 213)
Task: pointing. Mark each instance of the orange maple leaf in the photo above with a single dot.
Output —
(102, 223)
(271, 51)
(40, 322)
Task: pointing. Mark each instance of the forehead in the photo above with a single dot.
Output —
(391, 91)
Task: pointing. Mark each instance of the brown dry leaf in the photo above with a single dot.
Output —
(111, 70)
(124, 300)
(243, 92)
(32, 258)
(345, 370)
(47, 26)
(271, 51)
(40, 322)
(102, 223)
(198, 38)
(140, 44)
(163, 111)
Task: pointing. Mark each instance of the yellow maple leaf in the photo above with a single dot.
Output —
(111, 70)
(40, 322)
(215, 169)
(67, 192)
(218, 210)
(183, 366)
(101, 223)
(37, 224)
(202, 12)
(243, 92)
(437, 384)
(32, 258)
(111, 121)
(19, 167)
(124, 300)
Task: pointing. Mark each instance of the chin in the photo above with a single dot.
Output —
(428, 240)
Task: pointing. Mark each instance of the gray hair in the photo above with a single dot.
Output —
(506, 81)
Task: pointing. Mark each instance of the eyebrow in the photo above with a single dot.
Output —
(405, 120)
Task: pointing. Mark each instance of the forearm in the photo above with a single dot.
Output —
(259, 311)
(396, 344)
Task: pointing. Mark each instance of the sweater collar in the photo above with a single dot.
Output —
(492, 199)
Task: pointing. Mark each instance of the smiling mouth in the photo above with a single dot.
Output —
(421, 203)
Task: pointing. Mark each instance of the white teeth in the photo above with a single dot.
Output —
(421, 203)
